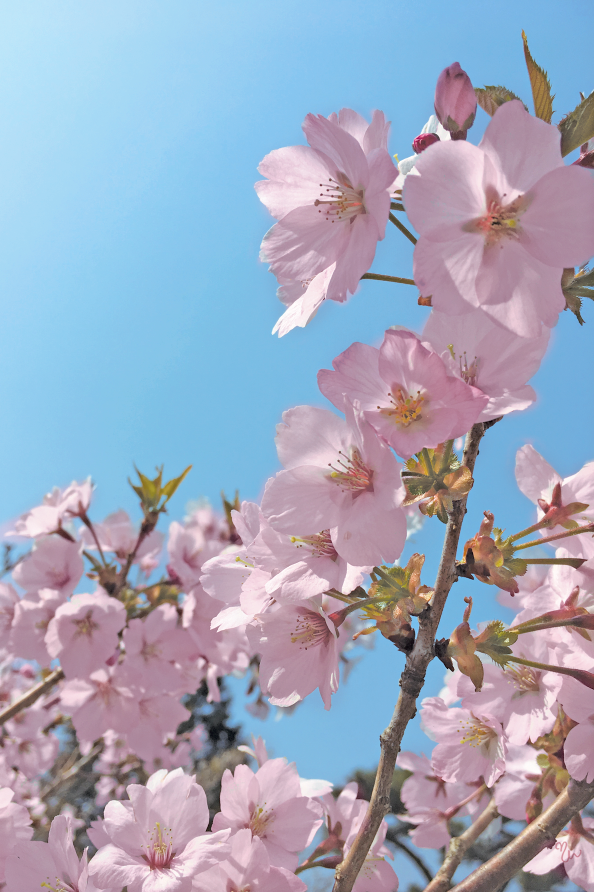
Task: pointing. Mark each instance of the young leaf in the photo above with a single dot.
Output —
(490, 98)
(577, 127)
(171, 486)
(541, 87)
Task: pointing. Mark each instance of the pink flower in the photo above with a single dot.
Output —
(14, 827)
(99, 703)
(8, 602)
(189, 549)
(84, 632)
(538, 481)
(471, 744)
(153, 647)
(160, 715)
(59, 505)
(55, 864)
(270, 804)
(339, 476)
(487, 356)
(455, 101)
(158, 839)
(299, 651)
(118, 534)
(572, 849)
(578, 702)
(331, 199)
(247, 867)
(513, 790)
(54, 563)
(498, 223)
(303, 300)
(404, 392)
(428, 798)
(32, 616)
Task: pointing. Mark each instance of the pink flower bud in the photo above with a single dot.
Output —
(455, 102)
(422, 142)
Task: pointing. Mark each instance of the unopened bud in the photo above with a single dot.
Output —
(455, 101)
(423, 141)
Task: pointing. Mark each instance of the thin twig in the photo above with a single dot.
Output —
(459, 845)
(542, 832)
(402, 229)
(31, 696)
(396, 841)
(411, 683)
(381, 278)
(71, 772)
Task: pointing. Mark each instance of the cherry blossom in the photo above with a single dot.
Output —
(471, 743)
(299, 653)
(404, 392)
(247, 867)
(15, 826)
(84, 632)
(32, 616)
(99, 702)
(53, 864)
(270, 804)
(158, 839)
(483, 354)
(574, 850)
(498, 223)
(332, 202)
(54, 563)
(552, 494)
(339, 476)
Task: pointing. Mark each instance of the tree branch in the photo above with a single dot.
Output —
(31, 696)
(459, 845)
(72, 771)
(542, 832)
(411, 683)
(381, 278)
(403, 229)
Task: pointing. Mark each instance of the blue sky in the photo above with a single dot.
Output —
(135, 317)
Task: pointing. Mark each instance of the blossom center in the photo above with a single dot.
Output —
(340, 201)
(86, 625)
(260, 820)
(405, 408)
(352, 474)
(320, 544)
(524, 678)
(501, 221)
(159, 852)
(476, 733)
(310, 631)
(61, 886)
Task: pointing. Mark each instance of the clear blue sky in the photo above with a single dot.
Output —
(135, 317)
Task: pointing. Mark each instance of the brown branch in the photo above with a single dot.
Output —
(411, 683)
(459, 845)
(403, 229)
(72, 771)
(31, 696)
(542, 832)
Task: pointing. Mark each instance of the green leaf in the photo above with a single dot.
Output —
(578, 126)
(586, 278)
(541, 87)
(171, 486)
(574, 303)
(516, 566)
(490, 98)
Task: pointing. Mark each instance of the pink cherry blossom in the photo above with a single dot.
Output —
(153, 648)
(538, 480)
(578, 703)
(299, 651)
(32, 616)
(481, 353)
(15, 826)
(498, 223)
(339, 476)
(98, 703)
(247, 867)
(189, 548)
(455, 100)
(55, 864)
(158, 839)
(331, 199)
(574, 851)
(159, 716)
(303, 300)
(270, 804)
(471, 744)
(513, 790)
(8, 601)
(375, 875)
(84, 632)
(404, 392)
(118, 534)
(54, 563)
(26, 746)
(428, 798)
(59, 505)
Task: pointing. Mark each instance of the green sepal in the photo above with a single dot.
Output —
(577, 127)
(490, 98)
